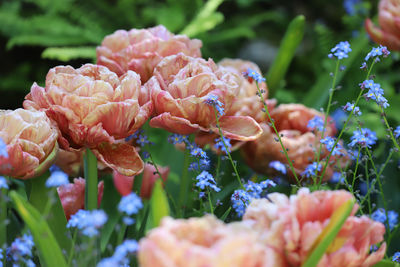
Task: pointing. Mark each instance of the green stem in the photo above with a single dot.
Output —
(209, 201)
(90, 170)
(217, 169)
(3, 222)
(71, 253)
(121, 234)
(183, 192)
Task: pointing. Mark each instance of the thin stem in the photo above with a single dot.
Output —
(356, 168)
(217, 169)
(209, 201)
(390, 130)
(227, 149)
(90, 170)
(121, 234)
(71, 253)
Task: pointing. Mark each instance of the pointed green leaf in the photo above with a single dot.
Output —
(287, 49)
(159, 206)
(49, 250)
(387, 263)
(69, 53)
(327, 236)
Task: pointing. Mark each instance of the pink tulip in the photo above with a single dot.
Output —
(72, 196)
(291, 226)
(389, 20)
(291, 122)
(141, 50)
(205, 242)
(31, 143)
(179, 88)
(124, 184)
(93, 108)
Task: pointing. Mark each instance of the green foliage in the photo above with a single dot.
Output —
(70, 53)
(159, 204)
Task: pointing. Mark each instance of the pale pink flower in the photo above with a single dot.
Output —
(301, 143)
(205, 242)
(141, 50)
(124, 184)
(31, 143)
(72, 196)
(93, 108)
(291, 226)
(389, 20)
(179, 88)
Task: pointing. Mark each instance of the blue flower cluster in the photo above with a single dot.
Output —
(250, 73)
(130, 205)
(3, 149)
(341, 50)
(220, 143)
(140, 138)
(212, 100)
(57, 178)
(351, 108)
(376, 52)
(375, 93)
(329, 142)
(396, 132)
(121, 255)
(396, 256)
(89, 222)
(277, 165)
(364, 138)
(350, 6)
(337, 177)
(206, 181)
(177, 139)
(316, 123)
(20, 251)
(380, 216)
(3, 182)
(312, 169)
(241, 198)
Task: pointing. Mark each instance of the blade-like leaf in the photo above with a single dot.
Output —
(49, 250)
(287, 48)
(329, 233)
(70, 53)
(159, 206)
(387, 263)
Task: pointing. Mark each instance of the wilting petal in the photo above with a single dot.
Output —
(381, 37)
(173, 124)
(120, 157)
(243, 128)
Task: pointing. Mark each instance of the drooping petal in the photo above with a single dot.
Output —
(243, 128)
(173, 124)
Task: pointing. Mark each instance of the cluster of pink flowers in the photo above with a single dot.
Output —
(273, 233)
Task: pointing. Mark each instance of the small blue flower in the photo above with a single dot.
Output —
(329, 142)
(219, 144)
(204, 164)
(350, 6)
(396, 132)
(206, 180)
(353, 153)
(198, 152)
(193, 166)
(177, 139)
(351, 108)
(128, 220)
(380, 216)
(142, 140)
(277, 165)
(254, 75)
(121, 254)
(341, 50)
(130, 204)
(364, 138)
(377, 51)
(3, 149)
(396, 256)
(364, 66)
(337, 177)
(312, 169)
(3, 182)
(21, 249)
(240, 200)
(393, 219)
(316, 123)
(56, 179)
(212, 100)
(89, 222)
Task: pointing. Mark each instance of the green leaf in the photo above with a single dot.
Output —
(49, 250)
(39, 198)
(387, 263)
(287, 49)
(326, 240)
(70, 53)
(159, 206)
(205, 20)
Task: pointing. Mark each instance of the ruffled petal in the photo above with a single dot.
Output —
(121, 157)
(173, 124)
(243, 128)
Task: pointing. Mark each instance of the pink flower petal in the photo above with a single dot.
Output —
(243, 128)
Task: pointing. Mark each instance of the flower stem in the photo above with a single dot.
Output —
(209, 201)
(71, 253)
(90, 170)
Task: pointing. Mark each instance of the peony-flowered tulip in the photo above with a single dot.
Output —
(301, 142)
(389, 20)
(292, 225)
(200, 242)
(141, 50)
(31, 143)
(72, 196)
(124, 184)
(94, 108)
(180, 87)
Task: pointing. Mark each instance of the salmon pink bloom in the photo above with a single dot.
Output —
(389, 20)
(30, 142)
(301, 142)
(141, 50)
(199, 242)
(94, 108)
(292, 225)
(72, 196)
(124, 184)
(180, 88)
